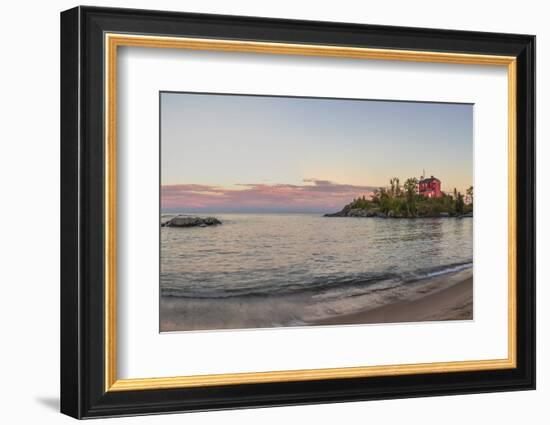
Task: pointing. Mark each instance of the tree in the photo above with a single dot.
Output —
(411, 188)
(375, 198)
(470, 193)
(395, 188)
(384, 200)
(459, 204)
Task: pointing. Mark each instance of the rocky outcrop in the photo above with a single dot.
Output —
(338, 214)
(191, 221)
(375, 212)
(357, 212)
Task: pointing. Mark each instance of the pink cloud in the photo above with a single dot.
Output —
(314, 194)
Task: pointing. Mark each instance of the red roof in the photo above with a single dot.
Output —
(429, 179)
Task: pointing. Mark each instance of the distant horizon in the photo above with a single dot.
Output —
(282, 212)
(338, 197)
(261, 154)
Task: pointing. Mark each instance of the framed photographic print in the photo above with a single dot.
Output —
(261, 212)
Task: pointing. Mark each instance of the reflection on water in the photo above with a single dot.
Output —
(253, 255)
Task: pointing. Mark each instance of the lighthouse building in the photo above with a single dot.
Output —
(430, 187)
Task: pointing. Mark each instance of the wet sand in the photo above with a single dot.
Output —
(454, 302)
(439, 298)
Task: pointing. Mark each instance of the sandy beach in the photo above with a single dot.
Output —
(453, 302)
(444, 297)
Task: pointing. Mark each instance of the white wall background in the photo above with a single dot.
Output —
(29, 209)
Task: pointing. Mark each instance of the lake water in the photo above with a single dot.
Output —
(292, 268)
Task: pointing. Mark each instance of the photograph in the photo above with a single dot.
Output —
(285, 211)
(278, 210)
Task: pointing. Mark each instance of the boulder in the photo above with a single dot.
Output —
(191, 221)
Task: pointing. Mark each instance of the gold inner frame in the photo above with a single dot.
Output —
(113, 41)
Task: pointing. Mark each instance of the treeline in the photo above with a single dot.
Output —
(404, 201)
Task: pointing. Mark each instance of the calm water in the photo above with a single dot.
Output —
(311, 265)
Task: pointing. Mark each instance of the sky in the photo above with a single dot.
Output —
(239, 153)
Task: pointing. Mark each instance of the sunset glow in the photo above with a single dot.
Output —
(313, 195)
(238, 153)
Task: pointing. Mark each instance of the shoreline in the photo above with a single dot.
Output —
(384, 216)
(454, 302)
(438, 298)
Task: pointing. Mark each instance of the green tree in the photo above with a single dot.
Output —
(459, 204)
(395, 188)
(385, 201)
(375, 198)
(411, 189)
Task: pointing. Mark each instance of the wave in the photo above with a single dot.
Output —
(353, 285)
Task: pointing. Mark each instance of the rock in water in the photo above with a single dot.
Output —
(190, 221)
(338, 214)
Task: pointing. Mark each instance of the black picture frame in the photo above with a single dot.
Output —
(83, 392)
